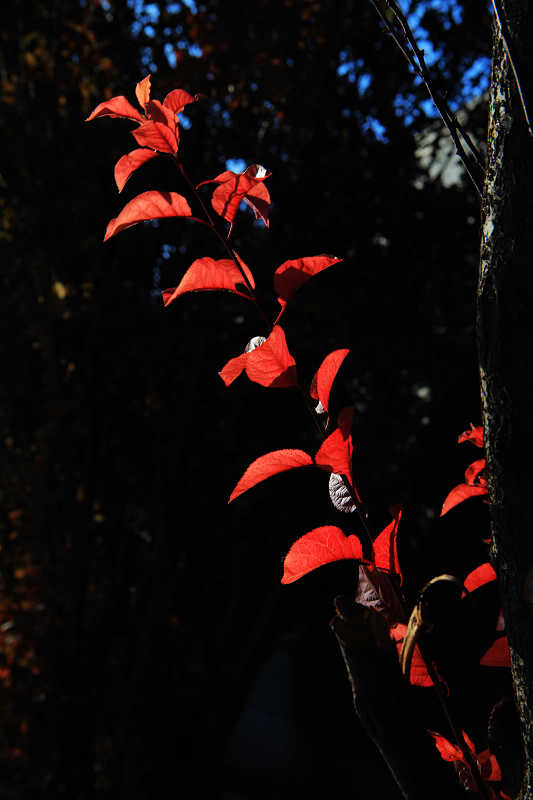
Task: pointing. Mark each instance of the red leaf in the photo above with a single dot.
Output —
(293, 274)
(479, 577)
(270, 464)
(116, 107)
(418, 676)
(157, 136)
(206, 274)
(385, 549)
(460, 493)
(473, 472)
(498, 654)
(318, 547)
(127, 165)
(146, 206)
(448, 751)
(270, 364)
(142, 91)
(335, 453)
(233, 188)
(178, 99)
(474, 435)
(325, 375)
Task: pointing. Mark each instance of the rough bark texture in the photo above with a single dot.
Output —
(505, 341)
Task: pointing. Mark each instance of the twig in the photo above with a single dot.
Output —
(472, 163)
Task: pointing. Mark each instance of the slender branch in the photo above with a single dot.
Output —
(504, 31)
(473, 163)
(211, 224)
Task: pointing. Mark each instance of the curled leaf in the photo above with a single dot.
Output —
(270, 464)
(325, 375)
(127, 165)
(147, 206)
(318, 547)
(474, 435)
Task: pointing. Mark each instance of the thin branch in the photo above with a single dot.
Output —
(504, 31)
(407, 44)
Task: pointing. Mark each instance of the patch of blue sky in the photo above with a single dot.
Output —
(236, 164)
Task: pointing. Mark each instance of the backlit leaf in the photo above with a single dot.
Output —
(318, 547)
(474, 435)
(270, 464)
(418, 675)
(325, 375)
(116, 107)
(294, 273)
(461, 493)
(147, 206)
(127, 165)
(473, 473)
(233, 188)
(385, 548)
(178, 99)
(480, 576)
(270, 364)
(156, 135)
(335, 453)
(206, 274)
(142, 91)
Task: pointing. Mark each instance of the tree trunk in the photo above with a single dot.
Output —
(505, 342)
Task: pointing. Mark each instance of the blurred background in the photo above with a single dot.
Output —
(145, 639)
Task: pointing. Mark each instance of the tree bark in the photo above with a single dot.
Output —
(505, 343)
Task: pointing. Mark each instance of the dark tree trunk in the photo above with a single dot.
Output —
(505, 341)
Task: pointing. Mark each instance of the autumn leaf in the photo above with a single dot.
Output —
(487, 764)
(325, 375)
(127, 165)
(318, 547)
(270, 364)
(177, 99)
(270, 464)
(116, 107)
(474, 435)
(385, 548)
(233, 188)
(418, 674)
(480, 576)
(461, 493)
(498, 654)
(147, 206)
(294, 273)
(206, 274)
(142, 91)
(156, 135)
(335, 453)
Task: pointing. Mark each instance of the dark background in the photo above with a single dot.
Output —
(144, 635)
